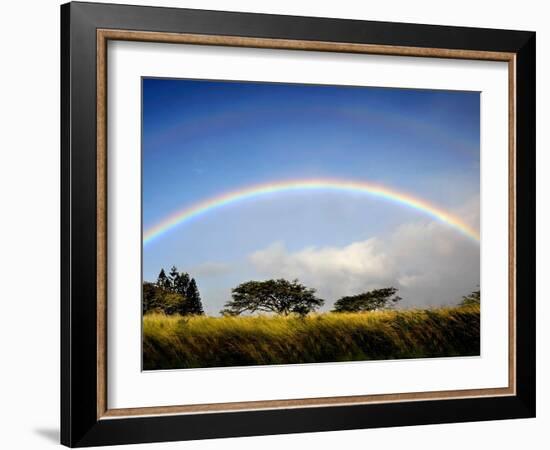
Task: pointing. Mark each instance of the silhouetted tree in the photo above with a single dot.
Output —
(157, 299)
(193, 304)
(150, 297)
(173, 277)
(368, 301)
(474, 298)
(162, 280)
(175, 293)
(277, 296)
(181, 283)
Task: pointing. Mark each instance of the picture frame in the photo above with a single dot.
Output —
(86, 419)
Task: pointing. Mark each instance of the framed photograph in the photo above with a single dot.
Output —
(276, 224)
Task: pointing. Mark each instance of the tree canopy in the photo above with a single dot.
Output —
(175, 293)
(272, 296)
(156, 298)
(474, 298)
(368, 301)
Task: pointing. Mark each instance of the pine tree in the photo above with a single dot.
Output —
(178, 293)
(180, 286)
(181, 283)
(173, 278)
(162, 280)
(194, 304)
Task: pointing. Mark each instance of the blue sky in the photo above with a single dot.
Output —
(204, 138)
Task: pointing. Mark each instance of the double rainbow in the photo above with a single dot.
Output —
(195, 210)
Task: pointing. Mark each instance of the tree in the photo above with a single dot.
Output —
(173, 277)
(181, 283)
(150, 297)
(162, 280)
(276, 296)
(175, 293)
(193, 304)
(474, 298)
(161, 300)
(368, 301)
(171, 302)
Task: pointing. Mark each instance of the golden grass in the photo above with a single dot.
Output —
(171, 342)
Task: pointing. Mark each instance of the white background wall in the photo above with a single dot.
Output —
(29, 243)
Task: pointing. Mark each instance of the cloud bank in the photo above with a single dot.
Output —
(429, 263)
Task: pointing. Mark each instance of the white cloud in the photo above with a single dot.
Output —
(430, 263)
(335, 271)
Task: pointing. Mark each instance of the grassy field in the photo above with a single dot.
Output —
(173, 342)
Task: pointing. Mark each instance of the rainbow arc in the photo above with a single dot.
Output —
(200, 208)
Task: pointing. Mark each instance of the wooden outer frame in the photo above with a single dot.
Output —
(86, 28)
(103, 36)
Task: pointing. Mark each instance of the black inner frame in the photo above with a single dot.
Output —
(79, 423)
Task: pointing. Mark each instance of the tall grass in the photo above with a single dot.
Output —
(171, 342)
